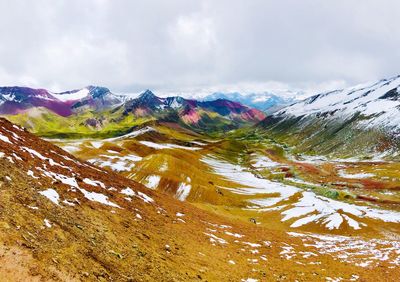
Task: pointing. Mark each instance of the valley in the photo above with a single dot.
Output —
(243, 177)
(228, 190)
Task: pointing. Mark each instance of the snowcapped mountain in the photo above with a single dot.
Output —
(94, 97)
(378, 103)
(191, 112)
(93, 109)
(267, 101)
(364, 116)
(14, 100)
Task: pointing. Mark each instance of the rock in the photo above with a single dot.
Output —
(118, 255)
(253, 220)
(85, 274)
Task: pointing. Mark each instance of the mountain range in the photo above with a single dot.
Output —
(191, 111)
(94, 109)
(361, 120)
(15, 100)
(268, 102)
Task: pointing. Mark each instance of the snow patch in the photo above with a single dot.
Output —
(47, 223)
(94, 182)
(98, 197)
(152, 181)
(51, 194)
(344, 174)
(183, 191)
(265, 162)
(31, 174)
(74, 95)
(5, 139)
(128, 191)
(355, 250)
(167, 146)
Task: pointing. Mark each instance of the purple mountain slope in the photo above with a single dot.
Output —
(14, 100)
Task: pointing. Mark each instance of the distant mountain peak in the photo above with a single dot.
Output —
(98, 91)
(148, 98)
(265, 101)
(147, 94)
(219, 113)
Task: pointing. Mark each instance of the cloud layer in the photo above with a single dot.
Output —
(189, 44)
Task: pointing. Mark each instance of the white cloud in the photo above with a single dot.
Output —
(188, 45)
(193, 36)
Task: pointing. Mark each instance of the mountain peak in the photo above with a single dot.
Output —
(97, 91)
(148, 97)
(147, 94)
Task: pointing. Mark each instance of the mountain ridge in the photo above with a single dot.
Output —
(364, 117)
(96, 108)
(268, 102)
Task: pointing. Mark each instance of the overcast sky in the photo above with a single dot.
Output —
(198, 45)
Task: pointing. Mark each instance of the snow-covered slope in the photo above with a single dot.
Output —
(72, 95)
(14, 100)
(377, 102)
(363, 120)
(93, 97)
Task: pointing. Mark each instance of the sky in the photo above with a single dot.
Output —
(198, 46)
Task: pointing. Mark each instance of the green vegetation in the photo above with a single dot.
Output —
(105, 124)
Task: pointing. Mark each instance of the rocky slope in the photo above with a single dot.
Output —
(359, 121)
